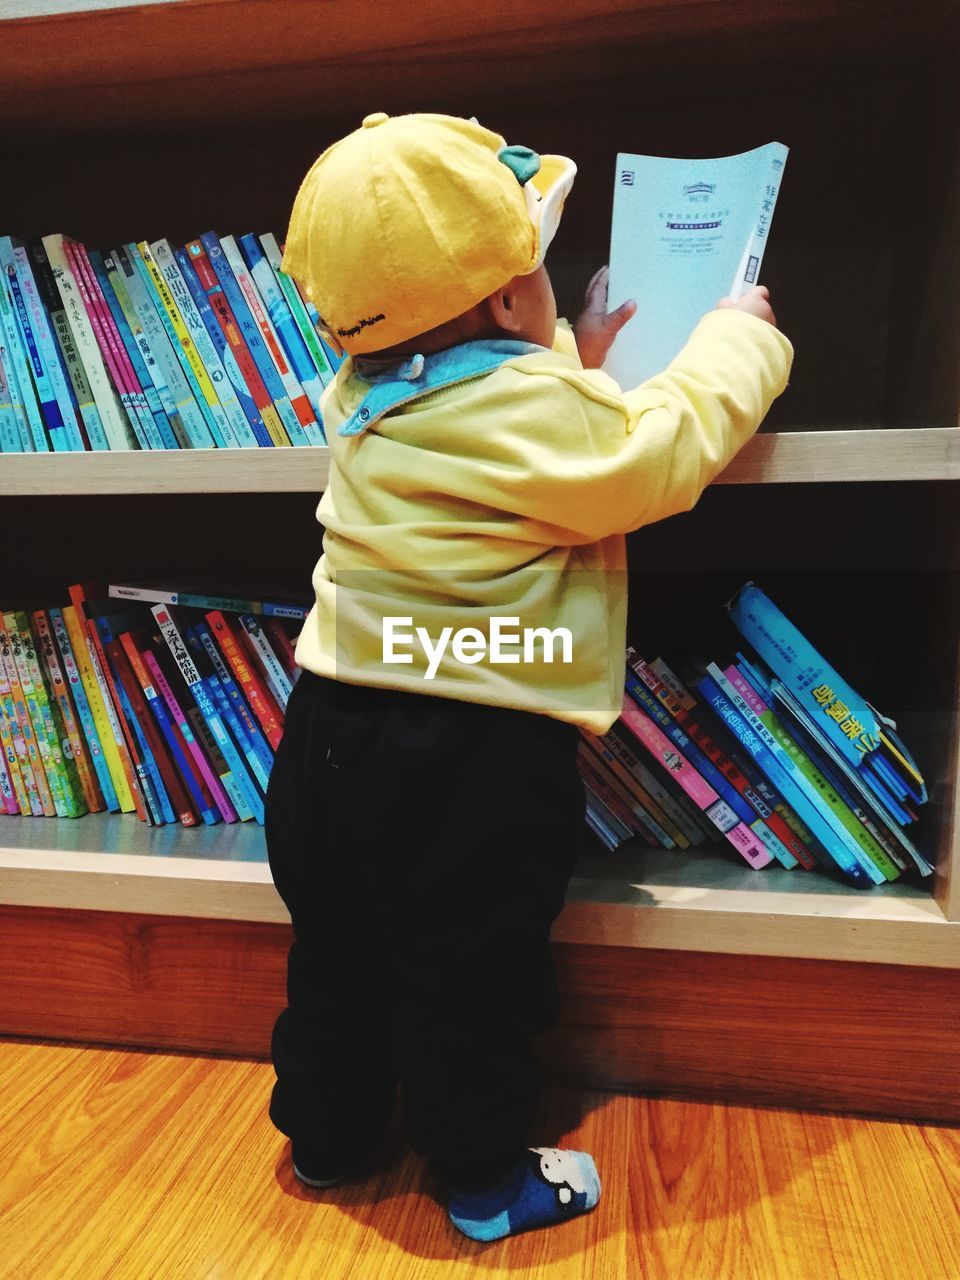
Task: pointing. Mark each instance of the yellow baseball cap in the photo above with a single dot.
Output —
(411, 220)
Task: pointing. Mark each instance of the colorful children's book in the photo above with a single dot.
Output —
(278, 682)
(150, 413)
(205, 393)
(306, 430)
(82, 396)
(285, 328)
(236, 780)
(685, 233)
(778, 765)
(149, 594)
(65, 780)
(10, 654)
(75, 747)
(669, 758)
(41, 322)
(252, 337)
(247, 676)
(91, 733)
(110, 429)
(325, 368)
(237, 430)
(233, 332)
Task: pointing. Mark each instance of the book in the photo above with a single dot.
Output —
(236, 428)
(198, 600)
(292, 431)
(685, 233)
(272, 428)
(204, 392)
(258, 698)
(109, 429)
(36, 399)
(91, 735)
(306, 431)
(61, 416)
(31, 762)
(325, 368)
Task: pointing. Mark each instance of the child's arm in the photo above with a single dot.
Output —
(601, 461)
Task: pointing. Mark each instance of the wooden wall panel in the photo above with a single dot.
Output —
(874, 1039)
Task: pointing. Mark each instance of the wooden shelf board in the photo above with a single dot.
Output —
(686, 902)
(923, 453)
(131, 67)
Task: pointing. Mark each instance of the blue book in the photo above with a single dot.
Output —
(258, 431)
(785, 776)
(225, 707)
(149, 409)
(283, 322)
(258, 742)
(237, 782)
(252, 337)
(39, 402)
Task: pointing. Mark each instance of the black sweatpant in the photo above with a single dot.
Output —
(423, 847)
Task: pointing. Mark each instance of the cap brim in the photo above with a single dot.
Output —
(546, 193)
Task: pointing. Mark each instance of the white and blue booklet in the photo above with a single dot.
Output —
(685, 234)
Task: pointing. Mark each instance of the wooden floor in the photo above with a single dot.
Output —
(119, 1165)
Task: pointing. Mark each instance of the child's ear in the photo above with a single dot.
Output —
(502, 306)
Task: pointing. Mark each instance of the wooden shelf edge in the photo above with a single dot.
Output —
(922, 453)
(855, 928)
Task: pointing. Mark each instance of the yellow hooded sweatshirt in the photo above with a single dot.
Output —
(501, 504)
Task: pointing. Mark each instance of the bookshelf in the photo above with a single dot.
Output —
(847, 497)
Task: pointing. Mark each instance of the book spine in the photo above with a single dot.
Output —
(172, 387)
(157, 809)
(11, 362)
(234, 775)
(9, 803)
(181, 720)
(193, 410)
(32, 379)
(162, 404)
(285, 324)
(595, 773)
(145, 398)
(38, 704)
(83, 275)
(109, 428)
(253, 767)
(21, 731)
(325, 370)
(258, 742)
(91, 663)
(277, 679)
(247, 678)
(705, 751)
(717, 810)
(236, 428)
(251, 336)
(720, 693)
(639, 800)
(273, 432)
(806, 674)
(64, 432)
(292, 392)
(13, 662)
(837, 812)
(673, 815)
(195, 600)
(73, 748)
(198, 803)
(61, 744)
(254, 432)
(14, 746)
(193, 367)
(697, 759)
(9, 426)
(81, 701)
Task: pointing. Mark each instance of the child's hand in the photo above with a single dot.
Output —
(595, 328)
(756, 301)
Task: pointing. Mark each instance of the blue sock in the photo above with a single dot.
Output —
(547, 1186)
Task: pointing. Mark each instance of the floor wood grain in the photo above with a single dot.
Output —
(131, 1165)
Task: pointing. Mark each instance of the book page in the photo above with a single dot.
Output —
(685, 234)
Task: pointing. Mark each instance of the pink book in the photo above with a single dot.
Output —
(227, 811)
(82, 274)
(130, 385)
(695, 785)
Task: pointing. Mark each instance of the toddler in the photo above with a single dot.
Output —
(424, 812)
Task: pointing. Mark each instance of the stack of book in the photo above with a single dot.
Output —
(148, 346)
(772, 752)
(135, 700)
